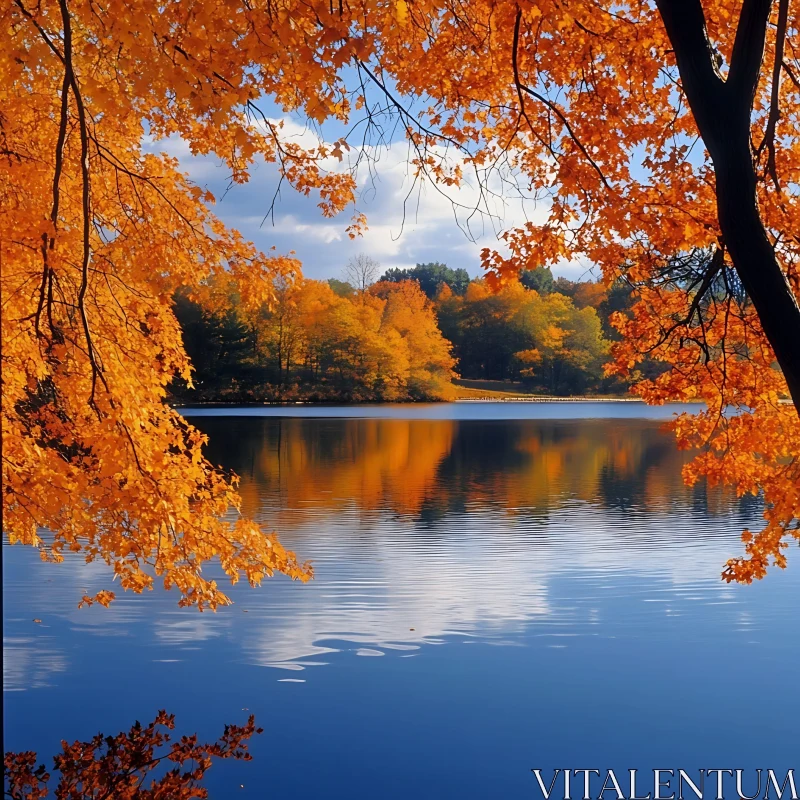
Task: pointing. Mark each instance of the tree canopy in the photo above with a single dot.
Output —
(538, 278)
(518, 334)
(660, 139)
(321, 342)
(430, 277)
(313, 344)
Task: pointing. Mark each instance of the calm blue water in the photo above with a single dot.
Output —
(498, 587)
(465, 410)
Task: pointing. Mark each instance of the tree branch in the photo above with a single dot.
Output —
(85, 201)
(748, 51)
(774, 103)
(521, 87)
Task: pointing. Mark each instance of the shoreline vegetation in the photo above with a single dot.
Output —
(509, 392)
(464, 391)
(425, 334)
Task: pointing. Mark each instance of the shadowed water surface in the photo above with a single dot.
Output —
(498, 587)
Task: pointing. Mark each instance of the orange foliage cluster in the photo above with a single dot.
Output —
(96, 235)
(380, 344)
(117, 766)
(517, 332)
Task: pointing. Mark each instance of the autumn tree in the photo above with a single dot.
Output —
(380, 345)
(648, 131)
(563, 349)
(410, 312)
(97, 234)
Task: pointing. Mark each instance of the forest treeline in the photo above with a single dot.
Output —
(403, 337)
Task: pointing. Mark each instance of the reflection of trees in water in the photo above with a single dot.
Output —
(532, 466)
(292, 469)
(638, 479)
(333, 464)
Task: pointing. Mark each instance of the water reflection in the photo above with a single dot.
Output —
(422, 530)
(490, 596)
(423, 470)
(30, 663)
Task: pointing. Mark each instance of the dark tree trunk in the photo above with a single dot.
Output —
(754, 258)
(722, 109)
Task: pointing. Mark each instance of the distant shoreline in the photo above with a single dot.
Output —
(340, 403)
(548, 399)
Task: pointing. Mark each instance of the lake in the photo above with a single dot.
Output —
(499, 587)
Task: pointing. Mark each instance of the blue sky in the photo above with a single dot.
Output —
(408, 223)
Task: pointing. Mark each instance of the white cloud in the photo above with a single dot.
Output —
(410, 221)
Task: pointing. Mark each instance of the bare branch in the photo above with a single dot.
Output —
(774, 103)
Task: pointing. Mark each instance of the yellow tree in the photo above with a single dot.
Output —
(376, 358)
(330, 346)
(410, 313)
(516, 332)
(564, 345)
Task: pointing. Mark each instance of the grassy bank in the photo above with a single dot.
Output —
(512, 390)
(464, 390)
